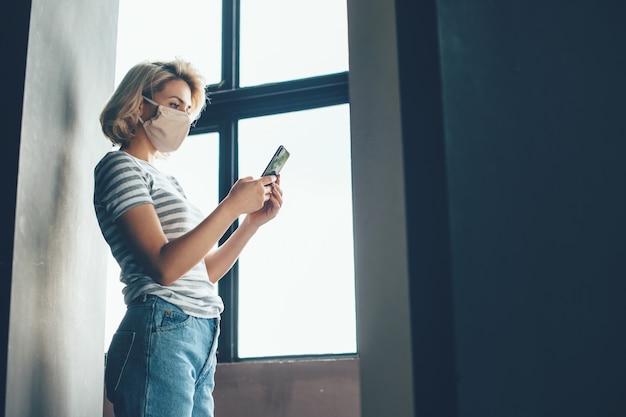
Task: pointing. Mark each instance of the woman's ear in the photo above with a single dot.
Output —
(142, 109)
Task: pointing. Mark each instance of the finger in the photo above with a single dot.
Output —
(277, 201)
(278, 197)
(272, 205)
(268, 179)
(276, 188)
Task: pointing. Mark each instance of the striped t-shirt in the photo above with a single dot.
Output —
(123, 182)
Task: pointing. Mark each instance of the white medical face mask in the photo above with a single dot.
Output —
(168, 128)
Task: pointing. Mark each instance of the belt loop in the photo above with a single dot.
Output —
(145, 298)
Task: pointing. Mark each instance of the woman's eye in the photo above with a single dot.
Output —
(174, 105)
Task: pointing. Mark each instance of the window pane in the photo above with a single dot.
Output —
(296, 276)
(290, 39)
(164, 29)
(195, 166)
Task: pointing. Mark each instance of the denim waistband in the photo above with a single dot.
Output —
(151, 299)
(142, 299)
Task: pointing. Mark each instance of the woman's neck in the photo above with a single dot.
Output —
(140, 147)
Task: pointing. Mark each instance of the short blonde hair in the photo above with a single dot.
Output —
(121, 113)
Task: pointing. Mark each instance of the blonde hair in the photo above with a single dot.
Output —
(121, 113)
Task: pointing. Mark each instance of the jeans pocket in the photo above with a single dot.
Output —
(117, 357)
(172, 319)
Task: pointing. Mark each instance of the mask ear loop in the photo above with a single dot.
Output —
(149, 100)
(157, 67)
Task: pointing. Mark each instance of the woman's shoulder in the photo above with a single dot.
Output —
(114, 159)
(114, 155)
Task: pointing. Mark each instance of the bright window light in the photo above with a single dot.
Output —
(284, 40)
(296, 277)
(164, 29)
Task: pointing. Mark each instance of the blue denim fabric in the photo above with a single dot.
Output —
(161, 362)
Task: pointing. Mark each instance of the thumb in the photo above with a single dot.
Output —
(268, 179)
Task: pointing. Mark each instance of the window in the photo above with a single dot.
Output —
(291, 39)
(292, 277)
(154, 30)
(282, 79)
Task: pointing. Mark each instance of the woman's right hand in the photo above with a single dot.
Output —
(248, 195)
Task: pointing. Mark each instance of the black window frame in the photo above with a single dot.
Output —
(230, 103)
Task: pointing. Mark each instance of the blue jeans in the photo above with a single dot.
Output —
(161, 362)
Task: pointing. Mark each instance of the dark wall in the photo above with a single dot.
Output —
(533, 96)
(427, 223)
(514, 180)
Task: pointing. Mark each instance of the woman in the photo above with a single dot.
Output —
(162, 358)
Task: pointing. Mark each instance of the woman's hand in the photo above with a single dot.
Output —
(248, 195)
(271, 207)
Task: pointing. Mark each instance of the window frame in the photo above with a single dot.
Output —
(230, 103)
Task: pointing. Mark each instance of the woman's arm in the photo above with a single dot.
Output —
(169, 260)
(220, 260)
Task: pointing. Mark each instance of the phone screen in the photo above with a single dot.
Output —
(277, 162)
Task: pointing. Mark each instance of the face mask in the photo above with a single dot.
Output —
(168, 128)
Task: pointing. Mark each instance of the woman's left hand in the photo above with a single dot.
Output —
(271, 207)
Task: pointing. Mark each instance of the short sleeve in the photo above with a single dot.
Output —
(120, 184)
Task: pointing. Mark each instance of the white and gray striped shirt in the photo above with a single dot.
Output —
(122, 182)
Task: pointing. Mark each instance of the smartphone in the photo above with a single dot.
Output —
(277, 162)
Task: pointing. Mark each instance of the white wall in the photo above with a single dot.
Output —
(383, 316)
(55, 360)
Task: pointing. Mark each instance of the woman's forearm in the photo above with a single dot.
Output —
(220, 260)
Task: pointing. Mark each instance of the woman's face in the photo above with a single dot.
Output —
(175, 94)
